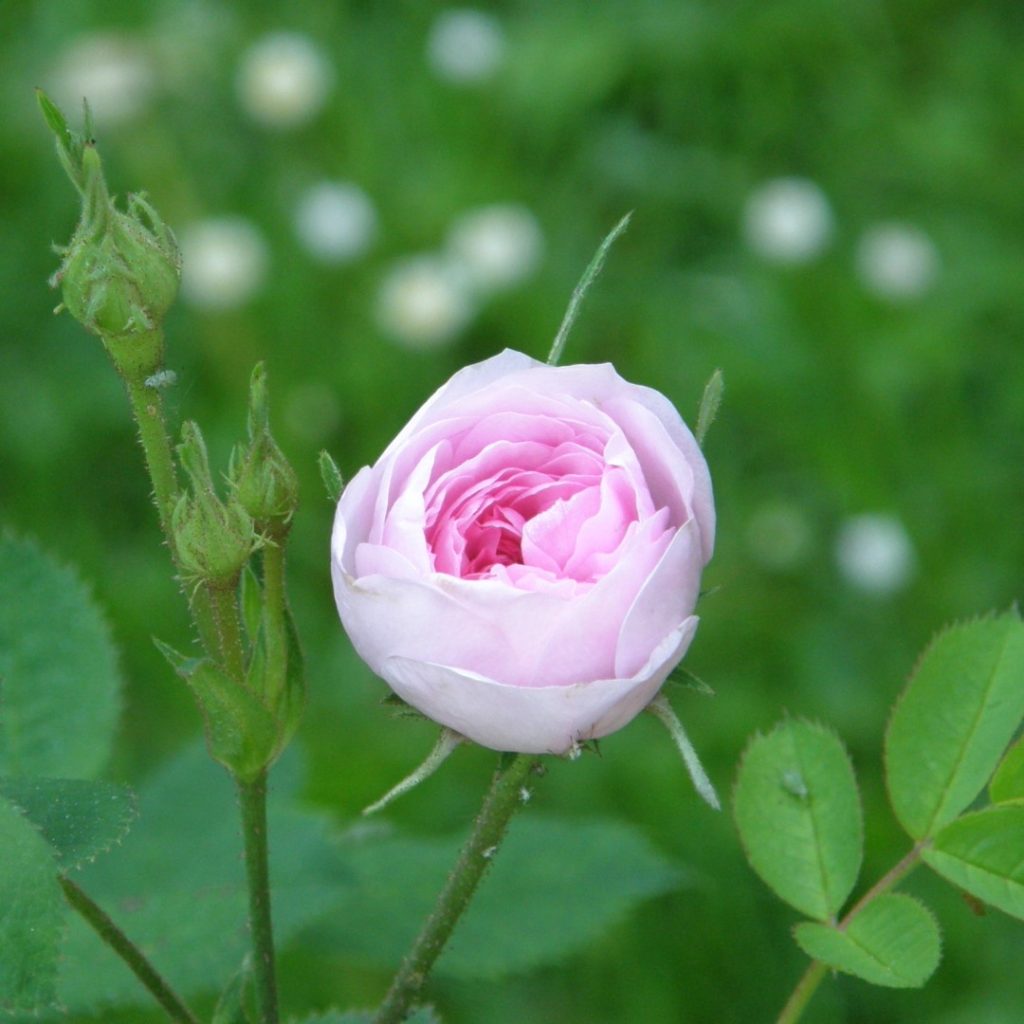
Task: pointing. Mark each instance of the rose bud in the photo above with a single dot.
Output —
(522, 563)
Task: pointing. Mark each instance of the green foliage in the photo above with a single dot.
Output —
(31, 914)
(176, 885)
(960, 709)
(1008, 781)
(423, 1015)
(241, 733)
(983, 853)
(331, 477)
(555, 886)
(79, 818)
(798, 813)
(894, 941)
(59, 681)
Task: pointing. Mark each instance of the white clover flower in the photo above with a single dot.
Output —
(498, 246)
(897, 261)
(788, 220)
(874, 553)
(335, 221)
(779, 535)
(111, 70)
(424, 301)
(283, 80)
(465, 45)
(223, 262)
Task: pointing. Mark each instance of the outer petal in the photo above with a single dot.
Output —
(534, 720)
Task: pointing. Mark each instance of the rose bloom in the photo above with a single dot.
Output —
(522, 563)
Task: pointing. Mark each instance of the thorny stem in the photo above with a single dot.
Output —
(252, 798)
(812, 977)
(128, 952)
(501, 802)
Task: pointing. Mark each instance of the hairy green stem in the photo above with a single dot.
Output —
(128, 952)
(816, 971)
(501, 802)
(148, 412)
(228, 625)
(252, 798)
(147, 408)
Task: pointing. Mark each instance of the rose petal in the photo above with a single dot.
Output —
(533, 721)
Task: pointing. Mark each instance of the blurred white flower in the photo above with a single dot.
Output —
(874, 553)
(112, 71)
(465, 45)
(897, 261)
(283, 80)
(223, 262)
(788, 220)
(779, 535)
(498, 246)
(335, 221)
(424, 301)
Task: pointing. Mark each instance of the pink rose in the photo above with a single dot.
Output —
(523, 561)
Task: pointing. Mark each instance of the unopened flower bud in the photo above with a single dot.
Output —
(214, 538)
(262, 480)
(121, 269)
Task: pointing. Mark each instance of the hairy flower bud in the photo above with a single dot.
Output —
(214, 538)
(262, 479)
(120, 271)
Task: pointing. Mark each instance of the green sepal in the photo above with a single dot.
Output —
(894, 942)
(709, 403)
(334, 483)
(241, 732)
(252, 604)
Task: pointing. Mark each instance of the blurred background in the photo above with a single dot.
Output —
(368, 196)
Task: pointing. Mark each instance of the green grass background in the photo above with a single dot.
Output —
(837, 403)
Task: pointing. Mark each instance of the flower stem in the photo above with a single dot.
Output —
(252, 797)
(808, 984)
(228, 625)
(128, 952)
(502, 800)
(147, 408)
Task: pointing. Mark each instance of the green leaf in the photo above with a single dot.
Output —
(798, 812)
(423, 1015)
(59, 681)
(240, 730)
(31, 914)
(894, 941)
(1008, 781)
(176, 885)
(983, 853)
(950, 727)
(236, 1004)
(555, 887)
(79, 818)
